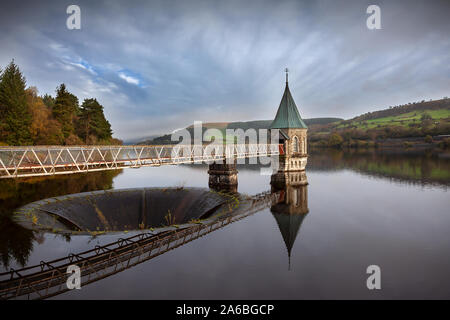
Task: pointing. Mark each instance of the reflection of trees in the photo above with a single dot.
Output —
(408, 168)
(17, 242)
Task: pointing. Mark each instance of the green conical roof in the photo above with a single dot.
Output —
(287, 114)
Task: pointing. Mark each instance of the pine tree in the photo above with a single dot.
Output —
(15, 118)
(49, 101)
(92, 122)
(65, 110)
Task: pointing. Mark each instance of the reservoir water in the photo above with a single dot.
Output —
(364, 208)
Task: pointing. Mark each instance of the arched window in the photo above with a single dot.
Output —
(296, 148)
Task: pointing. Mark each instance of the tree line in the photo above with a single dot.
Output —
(29, 119)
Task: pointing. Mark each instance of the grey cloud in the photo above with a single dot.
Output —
(223, 60)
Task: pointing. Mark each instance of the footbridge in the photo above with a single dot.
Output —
(30, 161)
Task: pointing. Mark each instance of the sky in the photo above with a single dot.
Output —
(157, 66)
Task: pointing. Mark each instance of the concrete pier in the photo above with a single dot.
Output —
(223, 177)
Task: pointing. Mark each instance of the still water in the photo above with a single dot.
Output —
(391, 210)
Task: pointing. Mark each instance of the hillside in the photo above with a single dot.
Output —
(412, 120)
(406, 108)
(245, 125)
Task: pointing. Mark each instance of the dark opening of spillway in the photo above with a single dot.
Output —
(122, 210)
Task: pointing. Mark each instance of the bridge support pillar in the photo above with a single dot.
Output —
(223, 177)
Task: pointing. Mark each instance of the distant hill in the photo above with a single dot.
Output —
(417, 119)
(209, 125)
(265, 124)
(245, 125)
(134, 141)
(407, 115)
(405, 108)
(412, 120)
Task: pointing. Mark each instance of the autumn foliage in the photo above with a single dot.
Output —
(29, 119)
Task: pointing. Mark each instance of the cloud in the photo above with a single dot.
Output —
(158, 65)
(84, 65)
(129, 79)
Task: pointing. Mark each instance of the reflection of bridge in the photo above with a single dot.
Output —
(50, 160)
(49, 278)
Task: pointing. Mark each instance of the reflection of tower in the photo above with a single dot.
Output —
(292, 205)
(292, 133)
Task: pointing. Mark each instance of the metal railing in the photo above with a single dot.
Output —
(49, 278)
(31, 161)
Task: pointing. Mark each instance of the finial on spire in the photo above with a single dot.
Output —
(286, 70)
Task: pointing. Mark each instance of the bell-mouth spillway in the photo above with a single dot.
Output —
(124, 210)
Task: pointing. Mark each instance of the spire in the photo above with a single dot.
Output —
(287, 114)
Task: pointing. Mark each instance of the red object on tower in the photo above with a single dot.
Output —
(281, 149)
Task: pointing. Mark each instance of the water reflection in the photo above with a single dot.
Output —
(292, 206)
(419, 168)
(356, 220)
(409, 168)
(16, 242)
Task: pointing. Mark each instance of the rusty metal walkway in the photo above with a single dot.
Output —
(49, 278)
(33, 161)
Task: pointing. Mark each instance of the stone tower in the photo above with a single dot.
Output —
(292, 132)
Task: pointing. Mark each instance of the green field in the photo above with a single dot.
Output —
(403, 119)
